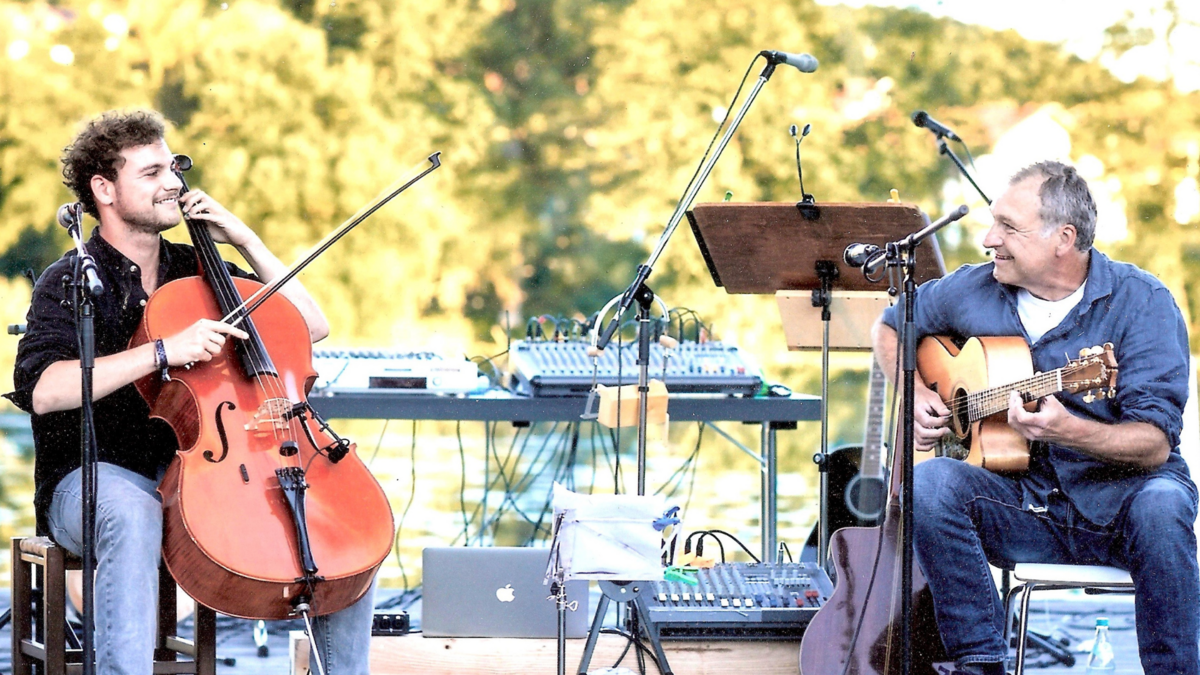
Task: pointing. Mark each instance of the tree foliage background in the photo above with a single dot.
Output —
(568, 129)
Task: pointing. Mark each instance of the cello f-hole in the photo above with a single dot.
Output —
(221, 432)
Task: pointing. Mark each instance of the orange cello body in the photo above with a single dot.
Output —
(229, 537)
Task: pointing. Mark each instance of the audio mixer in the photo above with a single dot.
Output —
(742, 601)
(552, 368)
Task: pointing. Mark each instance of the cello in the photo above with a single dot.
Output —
(268, 513)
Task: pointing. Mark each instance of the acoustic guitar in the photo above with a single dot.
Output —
(975, 382)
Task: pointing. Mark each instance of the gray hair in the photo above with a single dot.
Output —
(1065, 199)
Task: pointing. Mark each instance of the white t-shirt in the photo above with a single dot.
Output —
(1039, 316)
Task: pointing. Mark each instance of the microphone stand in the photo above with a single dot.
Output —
(639, 292)
(944, 149)
(84, 284)
(902, 255)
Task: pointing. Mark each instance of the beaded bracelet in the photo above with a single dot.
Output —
(160, 358)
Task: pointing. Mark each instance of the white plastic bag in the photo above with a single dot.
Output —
(606, 537)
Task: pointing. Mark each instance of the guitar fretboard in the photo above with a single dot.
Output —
(871, 464)
(988, 402)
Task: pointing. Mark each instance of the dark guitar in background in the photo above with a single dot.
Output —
(857, 479)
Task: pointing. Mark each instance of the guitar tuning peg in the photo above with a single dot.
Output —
(1089, 397)
(1101, 394)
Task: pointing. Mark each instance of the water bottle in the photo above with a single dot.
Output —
(1101, 659)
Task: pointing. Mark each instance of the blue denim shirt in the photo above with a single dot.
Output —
(1121, 304)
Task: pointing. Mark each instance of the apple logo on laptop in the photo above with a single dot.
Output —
(506, 594)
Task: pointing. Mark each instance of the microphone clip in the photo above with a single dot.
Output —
(808, 207)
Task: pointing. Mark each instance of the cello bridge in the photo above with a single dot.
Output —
(273, 414)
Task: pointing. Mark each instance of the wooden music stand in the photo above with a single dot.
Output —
(770, 246)
(795, 251)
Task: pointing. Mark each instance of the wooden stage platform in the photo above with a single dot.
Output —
(417, 655)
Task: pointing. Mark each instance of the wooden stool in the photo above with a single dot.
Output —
(39, 618)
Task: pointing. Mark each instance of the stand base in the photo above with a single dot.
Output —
(625, 592)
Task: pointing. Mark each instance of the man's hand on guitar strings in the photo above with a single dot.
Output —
(1044, 423)
(930, 418)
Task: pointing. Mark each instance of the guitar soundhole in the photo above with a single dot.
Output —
(865, 498)
(961, 422)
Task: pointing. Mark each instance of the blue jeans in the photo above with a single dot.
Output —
(967, 516)
(128, 551)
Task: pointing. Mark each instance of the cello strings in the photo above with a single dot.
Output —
(225, 290)
(269, 388)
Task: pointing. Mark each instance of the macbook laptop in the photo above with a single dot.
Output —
(495, 592)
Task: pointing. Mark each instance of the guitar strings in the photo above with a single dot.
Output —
(987, 402)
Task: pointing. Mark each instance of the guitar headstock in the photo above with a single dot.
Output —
(1094, 372)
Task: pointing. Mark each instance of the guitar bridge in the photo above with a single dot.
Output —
(953, 447)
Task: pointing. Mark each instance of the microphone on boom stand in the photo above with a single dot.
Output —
(941, 132)
(922, 119)
(805, 63)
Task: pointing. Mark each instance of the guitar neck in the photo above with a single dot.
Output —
(871, 463)
(988, 402)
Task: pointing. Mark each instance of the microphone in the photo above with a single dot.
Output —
(68, 214)
(857, 255)
(805, 63)
(804, 196)
(922, 119)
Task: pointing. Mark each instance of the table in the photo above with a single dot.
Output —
(773, 413)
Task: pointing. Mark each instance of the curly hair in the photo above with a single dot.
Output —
(96, 150)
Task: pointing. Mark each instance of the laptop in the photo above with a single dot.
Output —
(495, 592)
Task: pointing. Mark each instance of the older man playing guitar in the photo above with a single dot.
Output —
(1105, 482)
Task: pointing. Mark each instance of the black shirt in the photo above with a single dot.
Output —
(125, 434)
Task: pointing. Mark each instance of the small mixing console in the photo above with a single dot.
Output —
(742, 601)
(553, 368)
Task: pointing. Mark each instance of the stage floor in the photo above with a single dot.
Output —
(1068, 615)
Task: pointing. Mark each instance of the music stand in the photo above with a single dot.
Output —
(770, 247)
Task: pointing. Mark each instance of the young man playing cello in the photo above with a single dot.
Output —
(120, 168)
(1106, 484)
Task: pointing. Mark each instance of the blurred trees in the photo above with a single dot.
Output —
(568, 128)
